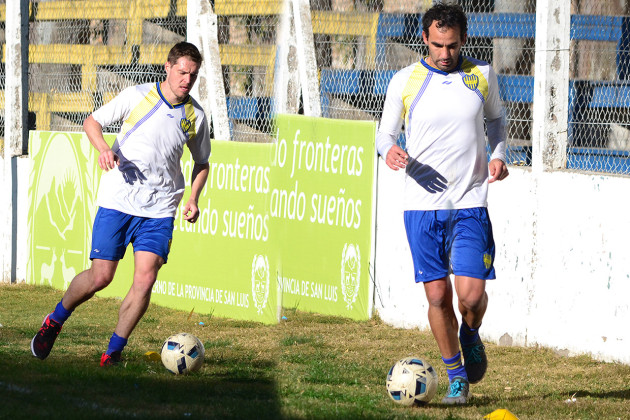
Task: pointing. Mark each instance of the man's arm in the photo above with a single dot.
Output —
(496, 137)
(495, 123)
(389, 127)
(198, 181)
(107, 159)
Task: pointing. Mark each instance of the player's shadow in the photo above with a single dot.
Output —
(427, 177)
(130, 171)
(141, 389)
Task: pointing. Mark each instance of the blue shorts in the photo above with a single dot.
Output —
(114, 230)
(451, 241)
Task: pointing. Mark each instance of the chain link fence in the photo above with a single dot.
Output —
(387, 36)
(247, 40)
(599, 98)
(84, 52)
(81, 54)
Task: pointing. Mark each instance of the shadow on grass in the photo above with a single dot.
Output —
(623, 394)
(74, 387)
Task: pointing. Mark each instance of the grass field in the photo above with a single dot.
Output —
(308, 366)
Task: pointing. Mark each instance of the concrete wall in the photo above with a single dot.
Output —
(563, 270)
(14, 179)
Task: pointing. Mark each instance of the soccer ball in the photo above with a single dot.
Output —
(412, 380)
(182, 353)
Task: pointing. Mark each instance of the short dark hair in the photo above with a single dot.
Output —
(184, 49)
(446, 15)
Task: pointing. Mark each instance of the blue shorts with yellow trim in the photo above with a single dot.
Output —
(451, 241)
(113, 231)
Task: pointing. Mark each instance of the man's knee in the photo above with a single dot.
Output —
(143, 280)
(102, 273)
(473, 302)
(439, 294)
(101, 279)
(439, 301)
(146, 269)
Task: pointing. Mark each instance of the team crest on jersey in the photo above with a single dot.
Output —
(487, 260)
(471, 81)
(185, 124)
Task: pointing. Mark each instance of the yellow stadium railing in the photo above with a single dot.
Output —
(45, 104)
(134, 12)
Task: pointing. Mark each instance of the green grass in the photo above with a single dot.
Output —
(309, 366)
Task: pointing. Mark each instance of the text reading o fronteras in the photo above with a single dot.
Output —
(324, 157)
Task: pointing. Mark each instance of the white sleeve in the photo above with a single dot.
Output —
(392, 117)
(493, 108)
(495, 118)
(199, 146)
(118, 109)
(496, 138)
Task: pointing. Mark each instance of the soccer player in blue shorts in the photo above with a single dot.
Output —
(443, 100)
(139, 192)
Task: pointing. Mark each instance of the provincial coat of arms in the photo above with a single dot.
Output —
(350, 273)
(260, 281)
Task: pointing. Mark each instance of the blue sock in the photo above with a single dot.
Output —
(60, 314)
(454, 367)
(468, 335)
(116, 343)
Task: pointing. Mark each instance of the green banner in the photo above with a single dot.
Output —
(63, 184)
(223, 265)
(322, 203)
(286, 224)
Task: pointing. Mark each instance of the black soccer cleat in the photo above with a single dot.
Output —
(43, 342)
(475, 361)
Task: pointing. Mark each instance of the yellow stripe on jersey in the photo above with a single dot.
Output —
(140, 111)
(190, 120)
(412, 88)
(474, 79)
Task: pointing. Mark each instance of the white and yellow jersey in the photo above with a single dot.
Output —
(443, 115)
(149, 182)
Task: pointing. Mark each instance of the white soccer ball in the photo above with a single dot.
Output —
(182, 353)
(412, 380)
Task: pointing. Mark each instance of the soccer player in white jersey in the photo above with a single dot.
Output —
(139, 192)
(442, 101)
